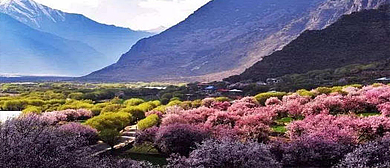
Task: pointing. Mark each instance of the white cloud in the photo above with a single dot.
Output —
(136, 14)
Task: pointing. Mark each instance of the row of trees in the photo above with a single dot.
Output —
(326, 127)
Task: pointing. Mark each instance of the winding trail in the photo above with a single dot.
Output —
(126, 141)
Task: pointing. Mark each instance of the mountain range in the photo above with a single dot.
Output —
(224, 37)
(57, 42)
(357, 39)
(27, 50)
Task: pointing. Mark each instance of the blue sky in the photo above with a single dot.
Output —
(135, 14)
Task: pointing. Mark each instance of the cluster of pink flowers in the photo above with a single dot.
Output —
(247, 119)
(67, 115)
(368, 99)
(342, 128)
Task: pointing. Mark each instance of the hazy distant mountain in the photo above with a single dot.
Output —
(224, 37)
(25, 50)
(360, 38)
(110, 40)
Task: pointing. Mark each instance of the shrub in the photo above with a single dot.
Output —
(323, 90)
(116, 100)
(111, 108)
(174, 103)
(76, 96)
(150, 121)
(186, 105)
(147, 106)
(254, 127)
(384, 108)
(113, 121)
(31, 142)
(96, 111)
(273, 101)
(341, 128)
(161, 108)
(156, 103)
(13, 105)
(327, 104)
(338, 89)
(371, 154)
(304, 92)
(32, 109)
(338, 129)
(294, 104)
(179, 138)
(262, 97)
(86, 132)
(222, 99)
(133, 102)
(109, 136)
(146, 136)
(225, 153)
(314, 152)
(136, 112)
(207, 102)
(196, 103)
(67, 115)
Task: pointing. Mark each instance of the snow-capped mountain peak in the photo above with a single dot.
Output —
(30, 12)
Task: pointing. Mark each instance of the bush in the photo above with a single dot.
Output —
(113, 121)
(77, 104)
(262, 97)
(147, 106)
(96, 111)
(324, 90)
(32, 109)
(136, 112)
(13, 105)
(150, 121)
(207, 102)
(31, 142)
(174, 103)
(86, 132)
(133, 102)
(109, 136)
(161, 108)
(224, 154)
(67, 115)
(186, 105)
(314, 152)
(222, 99)
(196, 103)
(156, 103)
(111, 108)
(371, 154)
(179, 138)
(76, 96)
(304, 92)
(146, 136)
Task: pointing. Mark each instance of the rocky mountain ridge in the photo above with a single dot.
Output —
(225, 37)
(360, 38)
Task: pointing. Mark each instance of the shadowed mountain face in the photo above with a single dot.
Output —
(359, 38)
(108, 40)
(26, 50)
(225, 37)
